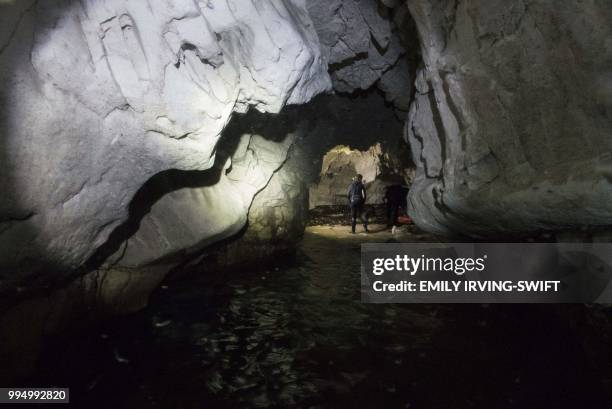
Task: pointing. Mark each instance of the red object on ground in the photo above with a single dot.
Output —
(404, 220)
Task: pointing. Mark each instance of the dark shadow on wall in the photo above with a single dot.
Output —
(325, 122)
(157, 187)
(19, 256)
(21, 251)
(356, 121)
(273, 127)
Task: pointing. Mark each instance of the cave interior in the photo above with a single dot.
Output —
(174, 227)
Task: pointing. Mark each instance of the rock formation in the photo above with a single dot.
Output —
(362, 50)
(101, 95)
(132, 134)
(511, 117)
(279, 212)
(114, 166)
(379, 166)
(176, 225)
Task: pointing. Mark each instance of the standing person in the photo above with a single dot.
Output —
(357, 198)
(395, 198)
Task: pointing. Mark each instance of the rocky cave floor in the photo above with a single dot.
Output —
(340, 215)
(296, 335)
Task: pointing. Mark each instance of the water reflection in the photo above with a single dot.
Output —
(297, 336)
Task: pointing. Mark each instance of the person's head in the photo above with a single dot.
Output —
(359, 177)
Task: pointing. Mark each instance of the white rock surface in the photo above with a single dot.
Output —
(100, 95)
(186, 220)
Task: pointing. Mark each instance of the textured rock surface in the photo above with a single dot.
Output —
(170, 218)
(112, 162)
(378, 165)
(359, 44)
(100, 95)
(207, 207)
(277, 218)
(512, 116)
(279, 212)
(177, 226)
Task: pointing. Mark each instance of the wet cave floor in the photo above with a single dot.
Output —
(296, 335)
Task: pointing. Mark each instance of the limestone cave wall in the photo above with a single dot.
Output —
(120, 158)
(511, 121)
(136, 134)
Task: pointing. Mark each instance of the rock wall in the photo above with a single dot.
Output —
(363, 48)
(113, 170)
(380, 165)
(113, 163)
(177, 226)
(100, 95)
(512, 116)
(279, 212)
(111, 116)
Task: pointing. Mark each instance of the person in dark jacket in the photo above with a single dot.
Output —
(395, 199)
(357, 198)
